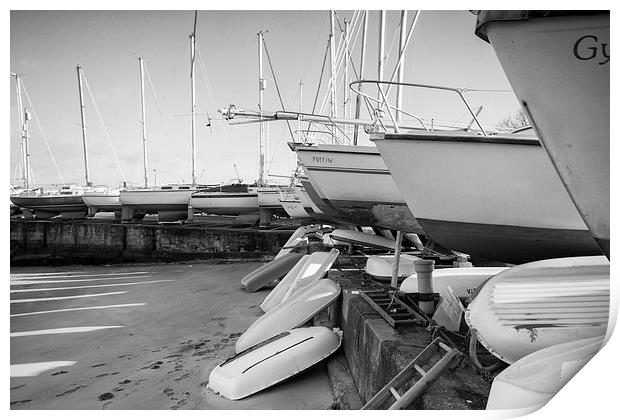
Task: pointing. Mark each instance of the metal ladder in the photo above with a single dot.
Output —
(404, 398)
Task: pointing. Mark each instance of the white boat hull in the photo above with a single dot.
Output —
(269, 199)
(296, 238)
(356, 183)
(102, 202)
(307, 271)
(223, 203)
(533, 381)
(273, 361)
(511, 205)
(464, 281)
(558, 67)
(380, 267)
(291, 313)
(537, 305)
(155, 201)
(355, 237)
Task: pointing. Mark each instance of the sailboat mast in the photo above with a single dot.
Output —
(361, 75)
(400, 75)
(332, 62)
(143, 123)
(261, 88)
(23, 142)
(192, 51)
(84, 144)
(381, 47)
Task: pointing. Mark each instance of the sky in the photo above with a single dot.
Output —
(46, 47)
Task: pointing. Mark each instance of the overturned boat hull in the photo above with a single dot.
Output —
(537, 305)
(300, 308)
(273, 361)
(532, 381)
(270, 272)
(310, 269)
(380, 267)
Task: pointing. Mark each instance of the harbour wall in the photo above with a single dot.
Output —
(88, 242)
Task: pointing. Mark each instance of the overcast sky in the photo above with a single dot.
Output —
(46, 46)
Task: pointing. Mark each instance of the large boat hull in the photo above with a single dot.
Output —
(101, 202)
(269, 199)
(230, 204)
(558, 67)
(70, 206)
(355, 182)
(493, 197)
(155, 201)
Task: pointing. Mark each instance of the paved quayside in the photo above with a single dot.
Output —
(137, 337)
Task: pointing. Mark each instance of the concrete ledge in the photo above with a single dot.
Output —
(58, 241)
(375, 353)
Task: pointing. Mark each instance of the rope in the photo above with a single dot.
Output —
(105, 130)
(161, 116)
(36, 118)
(275, 80)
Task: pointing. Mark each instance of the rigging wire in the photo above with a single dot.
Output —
(105, 129)
(36, 118)
(161, 115)
(275, 80)
(316, 42)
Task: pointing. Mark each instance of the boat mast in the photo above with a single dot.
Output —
(345, 84)
(381, 47)
(358, 102)
(23, 134)
(143, 123)
(301, 105)
(84, 144)
(261, 88)
(332, 62)
(192, 52)
(401, 48)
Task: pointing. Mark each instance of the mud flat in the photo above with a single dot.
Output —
(137, 337)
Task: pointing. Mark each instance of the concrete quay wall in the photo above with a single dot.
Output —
(48, 241)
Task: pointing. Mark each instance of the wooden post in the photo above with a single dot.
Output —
(399, 241)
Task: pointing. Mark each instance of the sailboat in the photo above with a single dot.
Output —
(66, 200)
(170, 202)
(511, 207)
(568, 99)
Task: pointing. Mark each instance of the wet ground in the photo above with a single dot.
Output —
(137, 337)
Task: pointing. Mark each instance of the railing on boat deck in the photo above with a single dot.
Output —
(383, 100)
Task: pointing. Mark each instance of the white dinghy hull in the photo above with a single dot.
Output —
(273, 361)
(540, 304)
(355, 237)
(309, 269)
(464, 281)
(291, 313)
(532, 381)
(380, 267)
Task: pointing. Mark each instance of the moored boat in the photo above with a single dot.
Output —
(568, 98)
(496, 197)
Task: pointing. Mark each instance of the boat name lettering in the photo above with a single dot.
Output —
(587, 48)
(322, 159)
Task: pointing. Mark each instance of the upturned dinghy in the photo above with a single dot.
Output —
(308, 270)
(292, 313)
(272, 271)
(464, 281)
(540, 304)
(273, 361)
(532, 381)
(380, 267)
(355, 237)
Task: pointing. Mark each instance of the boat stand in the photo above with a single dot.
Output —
(426, 378)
